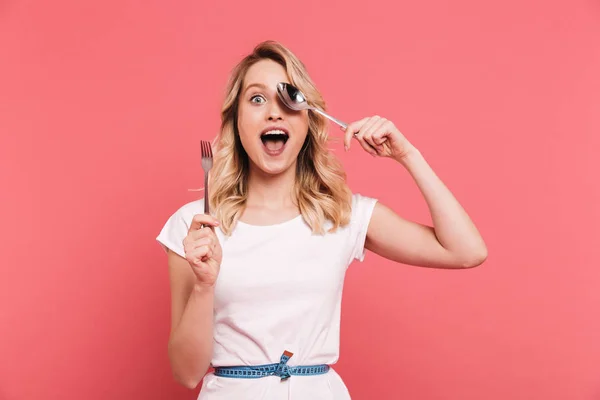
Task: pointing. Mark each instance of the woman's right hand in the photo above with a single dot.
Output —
(203, 250)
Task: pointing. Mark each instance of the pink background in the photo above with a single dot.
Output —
(103, 105)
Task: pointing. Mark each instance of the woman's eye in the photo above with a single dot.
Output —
(257, 99)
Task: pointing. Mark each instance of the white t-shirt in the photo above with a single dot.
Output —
(279, 288)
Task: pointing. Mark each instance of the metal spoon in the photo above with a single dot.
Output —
(293, 98)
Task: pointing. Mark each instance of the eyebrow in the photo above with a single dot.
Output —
(260, 85)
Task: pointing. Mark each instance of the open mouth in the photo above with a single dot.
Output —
(274, 140)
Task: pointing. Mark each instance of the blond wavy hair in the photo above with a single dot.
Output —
(321, 191)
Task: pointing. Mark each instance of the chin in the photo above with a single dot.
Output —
(274, 167)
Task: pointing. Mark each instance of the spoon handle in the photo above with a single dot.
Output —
(337, 121)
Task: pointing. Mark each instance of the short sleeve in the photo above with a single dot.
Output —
(362, 209)
(176, 228)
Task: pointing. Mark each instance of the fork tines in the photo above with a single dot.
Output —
(206, 149)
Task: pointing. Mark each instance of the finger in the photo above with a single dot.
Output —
(351, 129)
(366, 146)
(208, 255)
(202, 265)
(362, 139)
(192, 237)
(382, 133)
(374, 135)
(199, 254)
(201, 233)
(202, 219)
(367, 130)
(207, 241)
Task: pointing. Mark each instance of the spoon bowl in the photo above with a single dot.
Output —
(295, 100)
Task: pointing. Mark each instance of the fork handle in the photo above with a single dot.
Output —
(206, 207)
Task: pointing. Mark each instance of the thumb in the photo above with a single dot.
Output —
(200, 220)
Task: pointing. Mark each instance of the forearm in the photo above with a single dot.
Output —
(453, 227)
(191, 344)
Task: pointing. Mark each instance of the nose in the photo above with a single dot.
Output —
(275, 112)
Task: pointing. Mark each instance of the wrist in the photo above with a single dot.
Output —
(410, 157)
(204, 289)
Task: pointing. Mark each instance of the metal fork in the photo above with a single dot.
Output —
(207, 162)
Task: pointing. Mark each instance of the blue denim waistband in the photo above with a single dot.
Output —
(280, 369)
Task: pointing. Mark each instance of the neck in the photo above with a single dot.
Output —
(271, 191)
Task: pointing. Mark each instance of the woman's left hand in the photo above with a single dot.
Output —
(379, 137)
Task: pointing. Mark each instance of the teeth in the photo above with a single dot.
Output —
(275, 132)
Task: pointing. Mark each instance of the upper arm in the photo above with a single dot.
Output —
(181, 278)
(403, 241)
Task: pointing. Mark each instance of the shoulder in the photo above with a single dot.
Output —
(177, 226)
(362, 206)
(362, 210)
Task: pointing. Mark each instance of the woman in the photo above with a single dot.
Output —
(260, 281)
